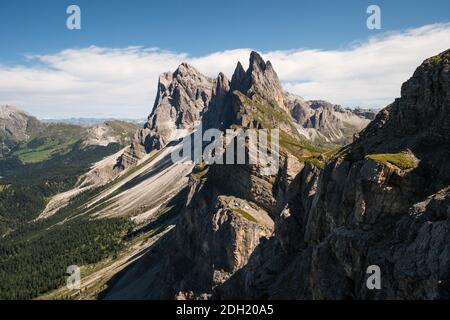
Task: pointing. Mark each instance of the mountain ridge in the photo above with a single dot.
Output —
(330, 224)
(214, 104)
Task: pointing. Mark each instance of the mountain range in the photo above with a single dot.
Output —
(355, 188)
(21, 132)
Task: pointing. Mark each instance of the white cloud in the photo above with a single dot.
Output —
(122, 82)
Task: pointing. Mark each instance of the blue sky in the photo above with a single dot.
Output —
(192, 30)
(201, 27)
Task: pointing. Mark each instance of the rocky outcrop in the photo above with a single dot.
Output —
(254, 99)
(259, 79)
(417, 119)
(16, 126)
(182, 96)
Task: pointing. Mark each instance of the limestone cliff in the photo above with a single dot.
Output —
(182, 96)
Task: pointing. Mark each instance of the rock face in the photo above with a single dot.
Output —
(181, 100)
(182, 97)
(15, 126)
(260, 79)
(417, 119)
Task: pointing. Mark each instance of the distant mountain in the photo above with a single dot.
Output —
(111, 131)
(326, 123)
(31, 140)
(16, 126)
(89, 122)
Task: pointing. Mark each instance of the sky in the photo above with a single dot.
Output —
(320, 49)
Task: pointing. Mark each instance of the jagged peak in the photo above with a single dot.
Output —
(269, 66)
(222, 84)
(239, 71)
(185, 67)
(222, 81)
(256, 62)
(222, 77)
(238, 78)
(184, 70)
(242, 80)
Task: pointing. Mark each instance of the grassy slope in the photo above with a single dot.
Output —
(122, 127)
(402, 160)
(59, 138)
(54, 139)
(273, 117)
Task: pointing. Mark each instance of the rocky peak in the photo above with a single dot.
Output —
(15, 126)
(186, 92)
(220, 111)
(256, 61)
(239, 78)
(222, 85)
(259, 79)
(181, 99)
(13, 123)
